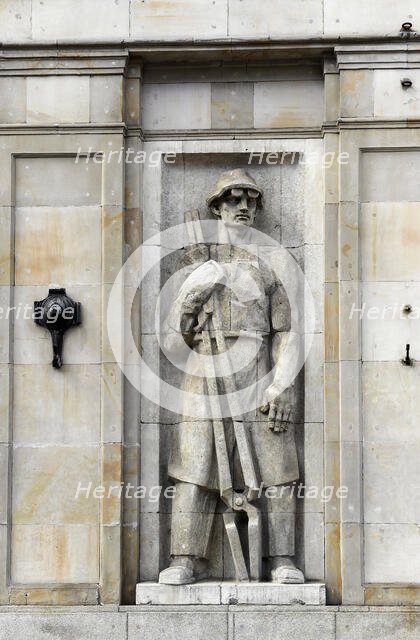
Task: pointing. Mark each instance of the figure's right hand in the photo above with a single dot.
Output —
(280, 411)
(195, 300)
(199, 286)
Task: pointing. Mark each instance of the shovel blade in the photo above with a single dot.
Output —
(235, 546)
(254, 543)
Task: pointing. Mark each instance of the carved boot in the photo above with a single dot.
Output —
(283, 570)
(180, 571)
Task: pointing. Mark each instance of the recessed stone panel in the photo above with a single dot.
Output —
(13, 99)
(176, 106)
(56, 99)
(391, 100)
(57, 181)
(392, 553)
(232, 105)
(46, 486)
(356, 93)
(288, 104)
(390, 487)
(50, 407)
(391, 402)
(106, 98)
(58, 245)
(386, 328)
(55, 553)
(390, 176)
(390, 238)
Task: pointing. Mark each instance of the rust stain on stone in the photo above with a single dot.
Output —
(333, 563)
(31, 499)
(396, 596)
(334, 538)
(352, 79)
(410, 236)
(168, 4)
(345, 249)
(38, 257)
(110, 218)
(61, 555)
(352, 227)
(111, 465)
(220, 106)
(286, 119)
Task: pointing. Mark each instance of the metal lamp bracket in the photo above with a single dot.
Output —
(57, 313)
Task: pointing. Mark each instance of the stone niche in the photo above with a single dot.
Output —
(292, 214)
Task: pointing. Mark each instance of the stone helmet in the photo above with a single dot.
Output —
(234, 179)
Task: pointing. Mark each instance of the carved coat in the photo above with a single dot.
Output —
(193, 457)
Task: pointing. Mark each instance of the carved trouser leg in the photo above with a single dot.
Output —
(280, 514)
(192, 518)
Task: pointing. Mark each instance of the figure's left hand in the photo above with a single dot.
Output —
(280, 413)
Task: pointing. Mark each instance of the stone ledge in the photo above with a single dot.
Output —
(230, 593)
(221, 622)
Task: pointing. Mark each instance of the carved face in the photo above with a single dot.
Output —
(237, 206)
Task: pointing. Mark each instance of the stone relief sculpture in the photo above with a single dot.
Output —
(229, 459)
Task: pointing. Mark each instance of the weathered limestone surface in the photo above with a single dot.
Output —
(137, 20)
(202, 19)
(284, 104)
(56, 19)
(100, 625)
(170, 107)
(230, 593)
(62, 225)
(390, 280)
(266, 98)
(221, 623)
(52, 99)
(46, 469)
(353, 227)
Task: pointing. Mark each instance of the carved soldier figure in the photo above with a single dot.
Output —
(236, 200)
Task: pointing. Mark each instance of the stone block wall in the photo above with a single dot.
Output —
(210, 81)
(232, 97)
(26, 21)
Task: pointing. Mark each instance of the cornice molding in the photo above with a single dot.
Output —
(63, 129)
(54, 61)
(400, 55)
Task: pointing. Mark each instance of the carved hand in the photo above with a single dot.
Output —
(195, 300)
(280, 413)
(199, 286)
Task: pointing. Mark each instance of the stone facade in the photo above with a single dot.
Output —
(308, 98)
